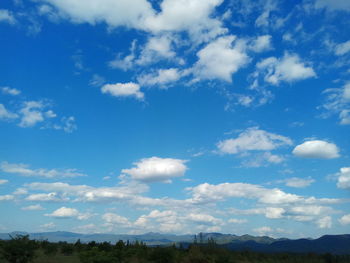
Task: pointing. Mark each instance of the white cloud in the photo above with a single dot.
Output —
(220, 59)
(5, 114)
(307, 212)
(325, 222)
(114, 219)
(289, 69)
(10, 91)
(6, 197)
(156, 48)
(261, 43)
(157, 169)
(49, 197)
(173, 16)
(164, 221)
(333, 4)
(342, 48)
(46, 226)
(338, 102)
(130, 13)
(23, 170)
(253, 139)
(65, 212)
(160, 78)
(7, 17)
(67, 125)
(178, 15)
(344, 178)
(274, 212)
(20, 191)
(129, 89)
(123, 63)
(3, 181)
(83, 193)
(204, 219)
(264, 230)
(268, 231)
(263, 159)
(317, 149)
(31, 113)
(86, 229)
(33, 208)
(344, 117)
(237, 221)
(204, 193)
(298, 182)
(345, 220)
(264, 19)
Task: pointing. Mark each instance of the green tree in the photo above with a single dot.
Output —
(49, 249)
(20, 249)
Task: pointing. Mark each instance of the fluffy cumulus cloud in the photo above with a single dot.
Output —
(115, 219)
(205, 193)
(289, 68)
(10, 91)
(65, 213)
(47, 197)
(253, 139)
(173, 16)
(317, 149)
(32, 113)
(157, 169)
(178, 16)
(59, 191)
(345, 219)
(129, 89)
(24, 170)
(344, 178)
(173, 221)
(204, 219)
(261, 43)
(325, 222)
(114, 13)
(220, 59)
(156, 48)
(160, 78)
(271, 202)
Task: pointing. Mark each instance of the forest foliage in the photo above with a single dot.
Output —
(20, 249)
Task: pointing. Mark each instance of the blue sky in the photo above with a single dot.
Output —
(175, 116)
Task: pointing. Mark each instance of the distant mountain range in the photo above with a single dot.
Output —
(335, 244)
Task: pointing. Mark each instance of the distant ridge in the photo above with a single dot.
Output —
(335, 244)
